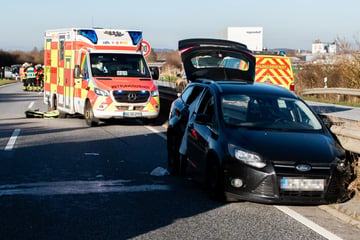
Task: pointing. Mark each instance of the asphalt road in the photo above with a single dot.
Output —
(62, 180)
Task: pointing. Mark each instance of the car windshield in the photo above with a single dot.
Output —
(268, 112)
(118, 65)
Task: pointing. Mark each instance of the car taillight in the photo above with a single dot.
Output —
(292, 87)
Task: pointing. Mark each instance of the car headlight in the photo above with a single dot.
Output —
(101, 92)
(247, 157)
(155, 93)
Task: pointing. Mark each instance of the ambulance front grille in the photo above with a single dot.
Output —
(131, 96)
(130, 108)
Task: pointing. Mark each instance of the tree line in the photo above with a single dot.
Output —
(8, 58)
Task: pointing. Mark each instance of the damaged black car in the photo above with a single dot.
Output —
(258, 142)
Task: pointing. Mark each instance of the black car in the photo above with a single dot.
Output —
(202, 58)
(260, 142)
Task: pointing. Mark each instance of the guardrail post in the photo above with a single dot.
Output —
(325, 82)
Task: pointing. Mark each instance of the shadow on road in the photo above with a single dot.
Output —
(98, 188)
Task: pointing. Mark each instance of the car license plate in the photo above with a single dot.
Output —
(301, 184)
(132, 114)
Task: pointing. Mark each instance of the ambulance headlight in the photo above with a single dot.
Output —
(101, 92)
(155, 93)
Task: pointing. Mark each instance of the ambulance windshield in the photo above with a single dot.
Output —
(118, 65)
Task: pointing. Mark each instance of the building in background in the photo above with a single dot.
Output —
(319, 47)
(251, 36)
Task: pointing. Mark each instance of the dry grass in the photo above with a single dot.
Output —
(355, 185)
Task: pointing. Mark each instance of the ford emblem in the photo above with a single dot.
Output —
(303, 167)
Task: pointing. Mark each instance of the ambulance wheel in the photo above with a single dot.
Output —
(90, 120)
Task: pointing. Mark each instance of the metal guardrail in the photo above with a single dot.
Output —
(167, 93)
(167, 90)
(338, 91)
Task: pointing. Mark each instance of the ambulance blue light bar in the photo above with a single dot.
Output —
(136, 36)
(89, 34)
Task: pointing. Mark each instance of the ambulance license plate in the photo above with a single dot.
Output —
(301, 184)
(132, 114)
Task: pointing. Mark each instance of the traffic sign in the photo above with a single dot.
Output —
(145, 48)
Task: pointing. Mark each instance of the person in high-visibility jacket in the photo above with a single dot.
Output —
(24, 77)
(31, 77)
(39, 78)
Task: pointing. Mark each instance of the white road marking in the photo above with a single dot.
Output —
(12, 140)
(78, 187)
(156, 131)
(31, 105)
(310, 224)
(298, 217)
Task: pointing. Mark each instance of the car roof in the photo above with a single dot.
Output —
(251, 88)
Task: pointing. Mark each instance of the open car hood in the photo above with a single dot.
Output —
(217, 60)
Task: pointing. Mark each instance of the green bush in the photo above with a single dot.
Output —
(168, 78)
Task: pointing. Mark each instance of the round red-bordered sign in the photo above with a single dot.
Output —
(145, 48)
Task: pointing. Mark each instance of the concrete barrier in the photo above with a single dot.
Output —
(344, 122)
(349, 138)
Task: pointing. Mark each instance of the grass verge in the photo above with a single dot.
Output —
(349, 104)
(6, 81)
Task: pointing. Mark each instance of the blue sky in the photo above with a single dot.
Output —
(286, 23)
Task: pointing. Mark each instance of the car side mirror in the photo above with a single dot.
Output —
(203, 119)
(155, 73)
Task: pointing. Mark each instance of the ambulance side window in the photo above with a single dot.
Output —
(84, 67)
(61, 47)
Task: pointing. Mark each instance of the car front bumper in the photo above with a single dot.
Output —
(265, 185)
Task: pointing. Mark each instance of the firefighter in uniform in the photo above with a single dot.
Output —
(31, 78)
(39, 77)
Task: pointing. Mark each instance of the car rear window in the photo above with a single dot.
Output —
(220, 60)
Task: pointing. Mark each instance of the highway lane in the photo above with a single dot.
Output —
(62, 180)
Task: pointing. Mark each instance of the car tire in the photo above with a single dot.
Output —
(215, 181)
(173, 144)
(90, 120)
(149, 121)
(183, 164)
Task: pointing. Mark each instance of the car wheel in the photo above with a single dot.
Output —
(183, 164)
(90, 120)
(215, 181)
(149, 121)
(173, 144)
